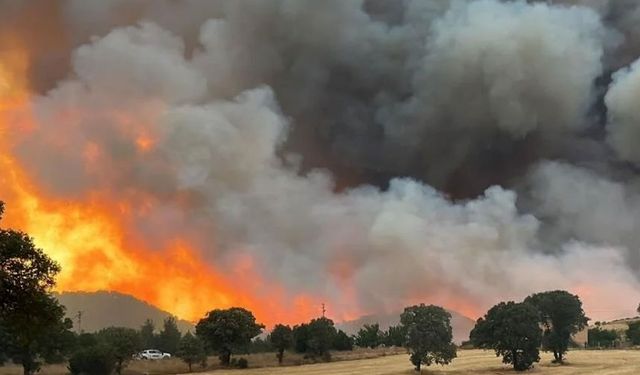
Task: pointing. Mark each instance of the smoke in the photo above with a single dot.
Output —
(374, 153)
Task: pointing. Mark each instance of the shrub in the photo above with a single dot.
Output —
(93, 360)
(243, 363)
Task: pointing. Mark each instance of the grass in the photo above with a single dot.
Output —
(389, 362)
(582, 362)
(176, 366)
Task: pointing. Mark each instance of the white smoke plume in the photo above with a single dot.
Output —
(327, 139)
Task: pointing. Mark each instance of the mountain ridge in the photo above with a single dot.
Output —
(102, 309)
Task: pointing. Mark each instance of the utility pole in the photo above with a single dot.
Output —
(323, 310)
(79, 317)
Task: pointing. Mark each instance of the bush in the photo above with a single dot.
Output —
(243, 363)
(93, 360)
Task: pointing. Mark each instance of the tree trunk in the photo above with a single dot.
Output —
(418, 366)
(27, 361)
(119, 367)
(280, 356)
(560, 359)
(225, 357)
(189, 363)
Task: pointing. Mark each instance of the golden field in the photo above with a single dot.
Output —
(388, 362)
(582, 362)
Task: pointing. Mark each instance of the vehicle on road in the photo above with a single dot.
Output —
(152, 354)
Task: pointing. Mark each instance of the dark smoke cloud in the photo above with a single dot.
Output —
(327, 138)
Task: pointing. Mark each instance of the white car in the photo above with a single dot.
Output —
(153, 354)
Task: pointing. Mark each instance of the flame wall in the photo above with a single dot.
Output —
(284, 154)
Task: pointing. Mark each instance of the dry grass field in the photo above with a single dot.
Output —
(468, 362)
(379, 362)
(176, 366)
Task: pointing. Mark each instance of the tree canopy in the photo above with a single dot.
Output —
(169, 337)
(429, 335)
(227, 330)
(191, 350)
(513, 331)
(342, 341)
(124, 343)
(395, 336)
(148, 337)
(31, 319)
(561, 316)
(633, 332)
(369, 336)
(281, 338)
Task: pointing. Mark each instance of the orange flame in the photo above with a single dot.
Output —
(90, 241)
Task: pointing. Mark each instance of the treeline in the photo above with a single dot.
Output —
(602, 338)
(33, 329)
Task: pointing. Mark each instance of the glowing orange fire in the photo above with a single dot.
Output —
(91, 244)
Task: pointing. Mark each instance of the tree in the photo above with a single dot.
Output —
(513, 331)
(32, 320)
(92, 360)
(321, 336)
(429, 335)
(598, 337)
(124, 343)
(281, 338)
(148, 337)
(395, 336)
(369, 336)
(342, 341)
(191, 350)
(260, 345)
(169, 337)
(300, 337)
(633, 333)
(561, 316)
(37, 329)
(227, 330)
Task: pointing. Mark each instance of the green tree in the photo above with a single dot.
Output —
(429, 335)
(32, 320)
(281, 338)
(37, 330)
(395, 336)
(320, 340)
(633, 333)
(369, 336)
(260, 345)
(598, 337)
(300, 337)
(191, 350)
(342, 341)
(227, 330)
(169, 337)
(513, 331)
(148, 337)
(124, 343)
(92, 360)
(561, 316)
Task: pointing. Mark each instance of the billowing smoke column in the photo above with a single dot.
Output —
(367, 153)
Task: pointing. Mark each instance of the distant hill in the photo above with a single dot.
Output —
(461, 325)
(104, 309)
(619, 325)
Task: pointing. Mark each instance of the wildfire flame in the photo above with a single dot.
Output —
(92, 244)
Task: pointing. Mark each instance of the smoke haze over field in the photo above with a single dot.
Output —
(364, 153)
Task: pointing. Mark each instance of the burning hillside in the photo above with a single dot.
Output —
(367, 154)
